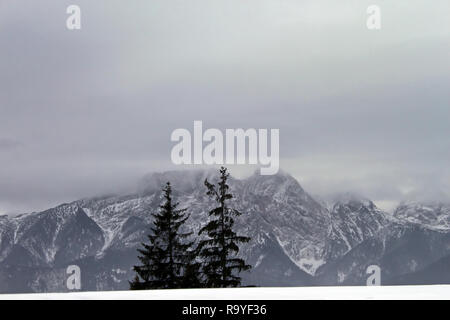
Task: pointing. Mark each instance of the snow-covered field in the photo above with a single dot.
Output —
(441, 292)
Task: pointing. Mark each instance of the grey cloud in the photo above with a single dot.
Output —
(94, 109)
(8, 144)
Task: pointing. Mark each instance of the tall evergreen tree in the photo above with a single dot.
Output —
(168, 260)
(219, 250)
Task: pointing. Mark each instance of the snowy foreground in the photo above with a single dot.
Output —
(326, 293)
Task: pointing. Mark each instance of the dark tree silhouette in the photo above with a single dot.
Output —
(221, 266)
(168, 260)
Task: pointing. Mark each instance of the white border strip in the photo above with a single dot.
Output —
(439, 292)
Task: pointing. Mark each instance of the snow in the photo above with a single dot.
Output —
(274, 208)
(306, 259)
(311, 264)
(260, 259)
(341, 277)
(439, 292)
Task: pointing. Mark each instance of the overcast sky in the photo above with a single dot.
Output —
(91, 111)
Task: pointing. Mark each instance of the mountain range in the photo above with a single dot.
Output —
(296, 239)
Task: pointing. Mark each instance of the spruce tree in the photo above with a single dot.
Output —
(168, 260)
(192, 277)
(219, 250)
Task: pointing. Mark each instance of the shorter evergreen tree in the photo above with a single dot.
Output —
(192, 277)
(168, 260)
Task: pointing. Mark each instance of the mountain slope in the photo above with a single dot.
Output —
(288, 229)
(296, 240)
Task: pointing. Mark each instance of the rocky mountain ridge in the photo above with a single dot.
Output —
(295, 239)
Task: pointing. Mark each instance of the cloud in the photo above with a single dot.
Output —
(359, 110)
(8, 144)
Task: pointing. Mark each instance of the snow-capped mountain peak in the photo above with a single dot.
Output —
(434, 215)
